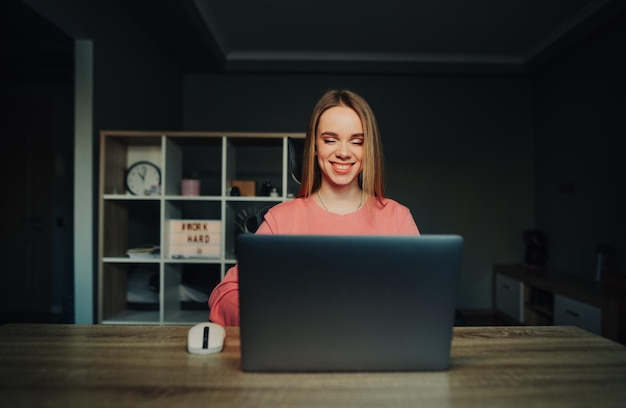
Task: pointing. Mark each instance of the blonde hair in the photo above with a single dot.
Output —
(371, 178)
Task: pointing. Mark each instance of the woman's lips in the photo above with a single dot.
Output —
(342, 167)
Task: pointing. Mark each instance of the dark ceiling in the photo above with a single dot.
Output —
(367, 36)
(325, 36)
(32, 49)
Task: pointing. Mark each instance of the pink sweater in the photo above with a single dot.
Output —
(302, 216)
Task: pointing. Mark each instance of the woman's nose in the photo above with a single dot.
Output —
(343, 150)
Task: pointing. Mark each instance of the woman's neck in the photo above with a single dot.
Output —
(339, 201)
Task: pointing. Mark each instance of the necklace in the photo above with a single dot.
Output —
(326, 208)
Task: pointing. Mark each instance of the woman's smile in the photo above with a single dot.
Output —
(342, 167)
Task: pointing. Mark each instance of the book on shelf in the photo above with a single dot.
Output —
(144, 251)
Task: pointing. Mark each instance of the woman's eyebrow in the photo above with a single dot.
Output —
(330, 133)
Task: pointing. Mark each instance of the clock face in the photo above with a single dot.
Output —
(143, 178)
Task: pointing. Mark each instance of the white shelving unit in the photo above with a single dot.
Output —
(127, 221)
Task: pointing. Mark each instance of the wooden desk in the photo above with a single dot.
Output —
(148, 366)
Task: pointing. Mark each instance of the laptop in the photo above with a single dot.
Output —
(347, 303)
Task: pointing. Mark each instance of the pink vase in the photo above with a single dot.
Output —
(190, 187)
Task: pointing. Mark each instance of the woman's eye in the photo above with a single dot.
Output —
(358, 142)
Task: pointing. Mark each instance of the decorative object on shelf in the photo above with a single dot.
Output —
(190, 184)
(536, 248)
(266, 189)
(247, 188)
(143, 178)
(194, 239)
(247, 221)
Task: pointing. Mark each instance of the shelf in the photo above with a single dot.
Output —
(539, 310)
(126, 259)
(134, 317)
(538, 306)
(192, 198)
(130, 221)
(218, 261)
(186, 317)
(131, 197)
(537, 316)
(255, 199)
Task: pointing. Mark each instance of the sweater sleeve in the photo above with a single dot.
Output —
(224, 300)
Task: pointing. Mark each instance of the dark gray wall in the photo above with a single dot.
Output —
(135, 86)
(459, 151)
(580, 117)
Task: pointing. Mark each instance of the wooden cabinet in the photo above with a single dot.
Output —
(556, 298)
(509, 296)
(570, 312)
(157, 287)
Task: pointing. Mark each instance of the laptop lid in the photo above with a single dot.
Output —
(347, 303)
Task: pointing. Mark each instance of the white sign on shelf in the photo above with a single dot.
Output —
(194, 239)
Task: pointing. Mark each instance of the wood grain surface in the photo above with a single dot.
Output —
(137, 366)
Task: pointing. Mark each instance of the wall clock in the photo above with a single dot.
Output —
(143, 178)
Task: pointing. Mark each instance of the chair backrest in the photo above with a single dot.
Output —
(295, 151)
(260, 214)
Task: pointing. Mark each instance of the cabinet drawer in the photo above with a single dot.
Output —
(509, 297)
(570, 312)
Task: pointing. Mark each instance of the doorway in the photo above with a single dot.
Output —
(36, 174)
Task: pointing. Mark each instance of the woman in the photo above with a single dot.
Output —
(342, 190)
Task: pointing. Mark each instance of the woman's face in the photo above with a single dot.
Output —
(339, 146)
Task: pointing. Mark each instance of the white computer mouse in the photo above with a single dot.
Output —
(206, 338)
